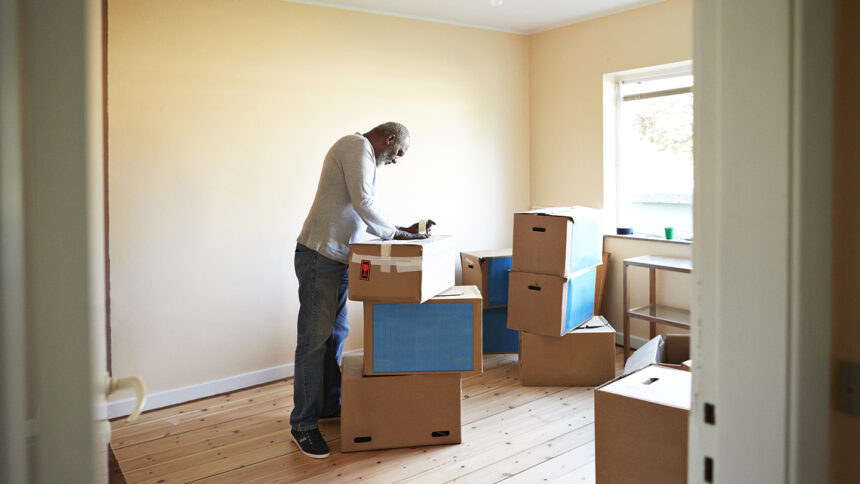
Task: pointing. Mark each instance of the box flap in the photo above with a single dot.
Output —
(489, 254)
(648, 354)
(655, 384)
(572, 213)
(458, 293)
(597, 324)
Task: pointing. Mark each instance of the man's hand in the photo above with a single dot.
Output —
(413, 229)
(403, 235)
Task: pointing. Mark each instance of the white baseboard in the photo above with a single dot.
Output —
(121, 408)
(635, 341)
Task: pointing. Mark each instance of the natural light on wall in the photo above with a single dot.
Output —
(648, 150)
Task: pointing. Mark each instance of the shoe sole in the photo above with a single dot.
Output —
(312, 456)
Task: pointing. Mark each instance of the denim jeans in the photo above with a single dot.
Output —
(322, 328)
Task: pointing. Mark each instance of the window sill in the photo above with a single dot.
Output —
(650, 238)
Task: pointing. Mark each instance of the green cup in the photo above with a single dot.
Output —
(670, 233)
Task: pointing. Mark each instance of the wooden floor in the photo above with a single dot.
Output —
(510, 432)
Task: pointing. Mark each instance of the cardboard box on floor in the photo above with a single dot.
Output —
(640, 427)
(557, 241)
(401, 271)
(488, 270)
(583, 357)
(670, 349)
(550, 305)
(383, 412)
(442, 335)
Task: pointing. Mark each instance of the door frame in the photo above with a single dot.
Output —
(762, 253)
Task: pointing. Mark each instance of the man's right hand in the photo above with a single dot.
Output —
(403, 235)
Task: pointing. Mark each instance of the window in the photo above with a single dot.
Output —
(649, 144)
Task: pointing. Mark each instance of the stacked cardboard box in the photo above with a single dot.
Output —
(488, 270)
(552, 286)
(421, 333)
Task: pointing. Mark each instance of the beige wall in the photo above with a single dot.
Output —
(845, 429)
(566, 71)
(220, 113)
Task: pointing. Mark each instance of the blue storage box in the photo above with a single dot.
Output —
(551, 305)
(497, 337)
(557, 241)
(440, 335)
(488, 270)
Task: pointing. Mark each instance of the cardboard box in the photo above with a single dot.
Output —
(550, 305)
(497, 337)
(583, 357)
(600, 284)
(384, 412)
(557, 241)
(640, 427)
(441, 335)
(488, 269)
(401, 271)
(670, 349)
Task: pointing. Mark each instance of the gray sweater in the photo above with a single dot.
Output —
(343, 208)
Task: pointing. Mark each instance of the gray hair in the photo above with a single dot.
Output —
(398, 130)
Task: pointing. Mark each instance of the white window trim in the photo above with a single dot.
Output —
(611, 106)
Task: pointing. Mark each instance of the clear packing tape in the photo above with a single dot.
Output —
(385, 261)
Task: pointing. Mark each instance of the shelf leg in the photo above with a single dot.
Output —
(652, 285)
(626, 300)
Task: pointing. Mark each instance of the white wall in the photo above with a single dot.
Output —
(220, 115)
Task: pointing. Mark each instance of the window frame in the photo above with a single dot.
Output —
(612, 100)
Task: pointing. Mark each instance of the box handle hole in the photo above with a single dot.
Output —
(534, 288)
(539, 229)
(471, 266)
(649, 381)
(361, 440)
(440, 433)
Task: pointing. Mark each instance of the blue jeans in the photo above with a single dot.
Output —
(322, 329)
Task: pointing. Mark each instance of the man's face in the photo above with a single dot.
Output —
(392, 152)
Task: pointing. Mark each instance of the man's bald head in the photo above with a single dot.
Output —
(389, 140)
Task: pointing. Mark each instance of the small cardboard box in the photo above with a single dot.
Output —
(583, 357)
(497, 337)
(550, 305)
(401, 271)
(384, 412)
(441, 335)
(557, 241)
(671, 349)
(640, 427)
(488, 269)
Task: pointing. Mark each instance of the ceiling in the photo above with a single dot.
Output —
(517, 16)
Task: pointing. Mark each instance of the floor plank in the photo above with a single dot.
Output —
(511, 433)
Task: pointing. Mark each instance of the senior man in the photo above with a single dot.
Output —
(342, 211)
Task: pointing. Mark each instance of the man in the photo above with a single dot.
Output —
(342, 210)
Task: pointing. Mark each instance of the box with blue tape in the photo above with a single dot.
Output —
(557, 241)
(442, 335)
(488, 270)
(550, 305)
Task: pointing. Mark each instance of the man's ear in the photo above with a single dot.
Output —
(390, 139)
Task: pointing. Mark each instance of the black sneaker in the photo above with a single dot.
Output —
(311, 443)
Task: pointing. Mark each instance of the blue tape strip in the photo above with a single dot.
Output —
(497, 279)
(497, 337)
(423, 337)
(580, 299)
(586, 243)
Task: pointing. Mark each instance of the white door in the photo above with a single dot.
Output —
(52, 257)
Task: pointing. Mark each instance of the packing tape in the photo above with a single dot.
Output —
(402, 264)
(422, 226)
